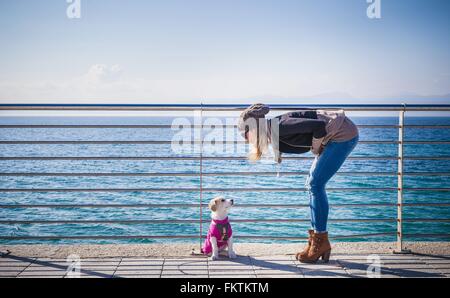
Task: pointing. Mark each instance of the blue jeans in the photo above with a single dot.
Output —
(323, 168)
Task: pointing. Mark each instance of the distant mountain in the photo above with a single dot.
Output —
(413, 98)
(343, 98)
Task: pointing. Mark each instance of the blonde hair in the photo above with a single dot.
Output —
(258, 139)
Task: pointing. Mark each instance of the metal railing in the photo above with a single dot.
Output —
(401, 109)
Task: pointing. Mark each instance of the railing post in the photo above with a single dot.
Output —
(399, 248)
(201, 176)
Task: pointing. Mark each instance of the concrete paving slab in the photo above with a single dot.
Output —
(13, 269)
(138, 272)
(9, 273)
(276, 272)
(185, 276)
(95, 276)
(184, 272)
(137, 276)
(272, 264)
(141, 262)
(14, 264)
(233, 276)
(280, 276)
(139, 267)
(40, 276)
(45, 268)
(412, 266)
(437, 262)
(326, 273)
(59, 273)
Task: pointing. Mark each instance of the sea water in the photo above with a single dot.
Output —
(277, 229)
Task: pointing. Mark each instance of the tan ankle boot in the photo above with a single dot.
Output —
(303, 253)
(320, 247)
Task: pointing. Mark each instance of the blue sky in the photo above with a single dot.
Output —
(224, 51)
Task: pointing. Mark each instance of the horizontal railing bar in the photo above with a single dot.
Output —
(118, 126)
(426, 173)
(104, 158)
(225, 107)
(172, 221)
(206, 221)
(165, 126)
(425, 142)
(110, 126)
(187, 142)
(256, 237)
(109, 142)
(178, 189)
(193, 174)
(209, 189)
(426, 157)
(360, 235)
(208, 158)
(425, 204)
(110, 237)
(154, 142)
(117, 237)
(151, 174)
(424, 126)
(94, 126)
(268, 173)
(156, 126)
(100, 237)
(426, 219)
(427, 235)
(182, 158)
(338, 236)
(102, 174)
(352, 205)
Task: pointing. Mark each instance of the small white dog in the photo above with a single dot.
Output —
(219, 234)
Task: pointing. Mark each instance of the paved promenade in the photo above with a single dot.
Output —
(258, 264)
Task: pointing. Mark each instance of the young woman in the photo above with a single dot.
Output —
(330, 135)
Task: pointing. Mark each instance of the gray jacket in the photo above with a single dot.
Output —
(296, 131)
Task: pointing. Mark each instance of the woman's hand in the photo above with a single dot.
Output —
(317, 146)
(322, 146)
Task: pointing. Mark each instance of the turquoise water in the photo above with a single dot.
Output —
(296, 229)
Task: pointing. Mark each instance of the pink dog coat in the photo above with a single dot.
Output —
(221, 229)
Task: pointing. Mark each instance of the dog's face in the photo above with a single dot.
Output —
(220, 205)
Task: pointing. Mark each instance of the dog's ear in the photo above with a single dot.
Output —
(213, 205)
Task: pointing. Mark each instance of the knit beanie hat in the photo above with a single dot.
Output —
(257, 110)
